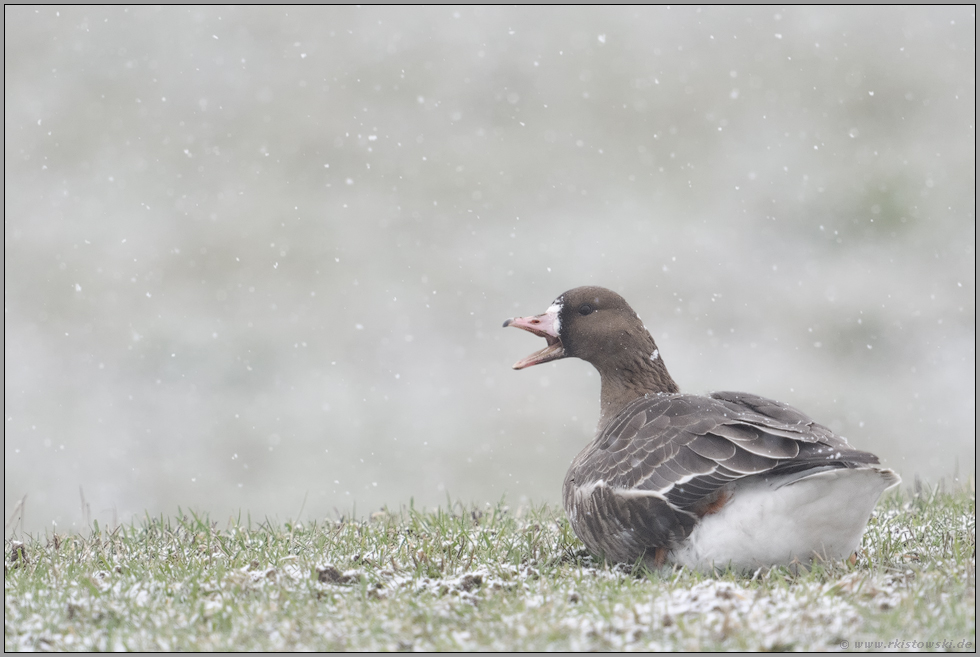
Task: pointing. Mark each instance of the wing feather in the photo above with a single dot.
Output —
(666, 458)
(712, 447)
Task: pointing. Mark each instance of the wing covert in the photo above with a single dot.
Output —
(686, 447)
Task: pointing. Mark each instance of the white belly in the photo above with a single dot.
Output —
(785, 520)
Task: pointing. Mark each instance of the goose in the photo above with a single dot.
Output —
(724, 480)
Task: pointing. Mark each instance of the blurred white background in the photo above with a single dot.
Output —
(256, 260)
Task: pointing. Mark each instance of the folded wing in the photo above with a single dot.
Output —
(665, 462)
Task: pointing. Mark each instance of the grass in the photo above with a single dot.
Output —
(478, 579)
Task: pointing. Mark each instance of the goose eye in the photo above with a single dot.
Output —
(585, 309)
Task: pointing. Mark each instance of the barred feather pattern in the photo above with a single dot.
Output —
(665, 461)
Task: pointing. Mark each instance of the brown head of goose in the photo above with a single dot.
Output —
(725, 480)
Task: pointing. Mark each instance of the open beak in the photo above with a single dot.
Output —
(545, 325)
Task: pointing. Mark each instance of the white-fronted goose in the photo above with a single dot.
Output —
(725, 480)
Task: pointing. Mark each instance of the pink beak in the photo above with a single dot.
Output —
(546, 325)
